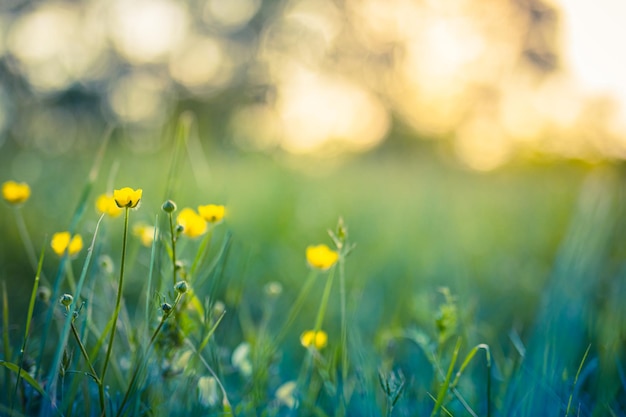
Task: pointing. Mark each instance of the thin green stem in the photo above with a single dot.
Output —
(324, 304)
(25, 236)
(166, 315)
(173, 236)
(5, 329)
(86, 356)
(344, 327)
(201, 252)
(446, 383)
(151, 275)
(297, 306)
(119, 297)
(69, 270)
(580, 368)
(29, 316)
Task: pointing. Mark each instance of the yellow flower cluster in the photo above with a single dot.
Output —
(318, 339)
(195, 224)
(14, 192)
(321, 257)
(63, 242)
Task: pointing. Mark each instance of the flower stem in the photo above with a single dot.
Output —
(324, 303)
(93, 371)
(173, 249)
(28, 243)
(344, 330)
(119, 297)
(166, 315)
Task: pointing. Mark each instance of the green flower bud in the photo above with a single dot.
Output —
(169, 206)
(181, 287)
(66, 300)
(166, 308)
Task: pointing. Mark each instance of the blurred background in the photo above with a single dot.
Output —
(475, 144)
(484, 82)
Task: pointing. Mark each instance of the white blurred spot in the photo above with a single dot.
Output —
(200, 62)
(148, 30)
(57, 44)
(208, 394)
(230, 14)
(138, 97)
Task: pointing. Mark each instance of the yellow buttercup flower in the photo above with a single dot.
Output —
(14, 192)
(127, 197)
(193, 224)
(321, 257)
(212, 213)
(145, 233)
(63, 242)
(318, 340)
(105, 204)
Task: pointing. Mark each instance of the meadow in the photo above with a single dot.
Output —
(438, 291)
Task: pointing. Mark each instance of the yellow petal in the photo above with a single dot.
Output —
(321, 256)
(212, 213)
(15, 193)
(105, 204)
(193, 224)
(127, 197)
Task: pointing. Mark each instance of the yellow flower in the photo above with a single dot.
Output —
(127, 197)
(212, 213)
(15, 193)
(193, 224)
(310, 338)
(145, 233)
(63, 242)
(321, 257)
(105, 204)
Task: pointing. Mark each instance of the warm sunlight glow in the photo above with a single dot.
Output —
(317, 110)
(147, 30)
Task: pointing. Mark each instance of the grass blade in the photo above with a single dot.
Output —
(29, 316)
(441, 396)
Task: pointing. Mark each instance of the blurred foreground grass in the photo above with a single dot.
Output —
(532, 257)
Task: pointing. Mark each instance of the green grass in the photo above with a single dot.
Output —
(465, 294)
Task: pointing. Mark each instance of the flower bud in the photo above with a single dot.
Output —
(181, 287)
(66, 300)
(169, 206)
(166, 308)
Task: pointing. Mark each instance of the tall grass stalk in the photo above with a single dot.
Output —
(325, 297)
(466, 362)
(580, 367)
(25, 236)
(76, 217)
(297, 306)
(443, 389)
(151, 274)
(6, 343)
(142, 362)
(29, 316)
(54, 371)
